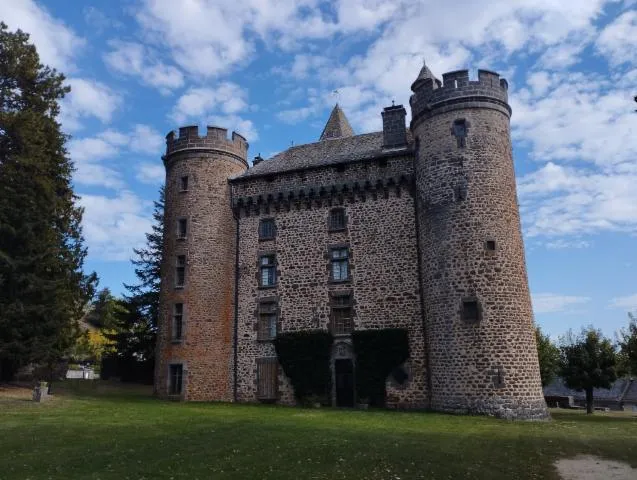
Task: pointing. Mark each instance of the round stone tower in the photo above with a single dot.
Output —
(482, 351)
(195, 339)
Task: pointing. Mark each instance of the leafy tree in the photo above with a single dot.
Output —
(43, 289)
(105, 310)
(628, 347)
(549, 356)
(588, 361)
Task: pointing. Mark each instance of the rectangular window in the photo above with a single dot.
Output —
(342, 322)
(180, 271)
(267, 378)
(470, 311)
(178, 321)
(266, 229)
(460, 132)
(182, 228)
(268, 270)
(337, 219)
(266, 328)
(340, 264)
(175, 381)
(183, 183)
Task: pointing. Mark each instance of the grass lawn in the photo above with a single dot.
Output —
(97, 432)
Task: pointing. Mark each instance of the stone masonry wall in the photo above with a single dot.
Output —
(467, 197)
(205, 350)
(384, 282)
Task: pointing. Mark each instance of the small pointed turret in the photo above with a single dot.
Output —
(337, 125)
(424, 75)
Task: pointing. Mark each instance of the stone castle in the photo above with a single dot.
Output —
(410, 227)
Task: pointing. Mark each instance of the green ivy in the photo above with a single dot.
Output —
(378, 353)
(305, 359)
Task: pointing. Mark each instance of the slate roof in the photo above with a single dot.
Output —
(325, 152)
(337, 125)
(615, 393)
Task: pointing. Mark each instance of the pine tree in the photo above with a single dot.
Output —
(136, 328)
(43, 289)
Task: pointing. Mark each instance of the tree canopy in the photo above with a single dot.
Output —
(588, 361)
(43, 289)
(549, 356)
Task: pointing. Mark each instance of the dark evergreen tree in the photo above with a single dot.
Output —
(588, 361)
(549, 356)
(105, 310)
(136, 329)
(43, 289)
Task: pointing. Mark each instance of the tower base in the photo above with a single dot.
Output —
(499, 407)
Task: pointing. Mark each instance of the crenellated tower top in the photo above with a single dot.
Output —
(431, 96)
(215, 140)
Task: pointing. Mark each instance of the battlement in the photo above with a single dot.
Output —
(215, 139)
(457, 87)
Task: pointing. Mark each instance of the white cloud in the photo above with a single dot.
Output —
(134, 59)
(57, 44)
(90, 153)
(552, 302)
(561, 244)
(151, 173)
(88, 98)
(628, 302)
(615, 40)
(113, 226)
(219, 106)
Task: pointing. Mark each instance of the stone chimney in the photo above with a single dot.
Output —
(394, 130)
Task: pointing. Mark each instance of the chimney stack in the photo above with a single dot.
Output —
(394, 129)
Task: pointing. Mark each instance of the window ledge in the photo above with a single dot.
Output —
(337, 230)
(179, 287)
(266, 239)
(266, 340)
(332, 281)
(184, 191)
(177, 341)
(266, 287)
(182, 239)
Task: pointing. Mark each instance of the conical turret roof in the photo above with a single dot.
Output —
(424, 74)
(337, 125)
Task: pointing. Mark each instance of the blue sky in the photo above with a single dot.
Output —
(268, 69)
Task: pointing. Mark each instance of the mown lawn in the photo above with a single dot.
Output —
(99, 433)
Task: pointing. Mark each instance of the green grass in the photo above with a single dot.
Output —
(101, 433)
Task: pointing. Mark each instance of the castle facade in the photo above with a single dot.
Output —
(413, 227)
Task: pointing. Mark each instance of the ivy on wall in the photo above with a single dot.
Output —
(378, 354)
(305, 359)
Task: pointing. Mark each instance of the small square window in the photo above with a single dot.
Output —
(178, 321)
(182, 228)
(340, 264)
(490, 245)
(337, 220)
(470, 311)
(460, 132)
(183, 183)
(267, 265)
(180, 271)
(266, 229)
(176, 379)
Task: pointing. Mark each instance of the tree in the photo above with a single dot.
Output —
(628, 347)
(549, 356)
(136, 328)
(105, 310)
(588, 361)
(43, 289)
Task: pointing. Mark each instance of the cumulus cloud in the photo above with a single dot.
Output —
(91, 154)
(553, 302)
(617, 40)
(135, 59)
(57, 44)
(88, 99)
(113, 226)
(219, 106)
